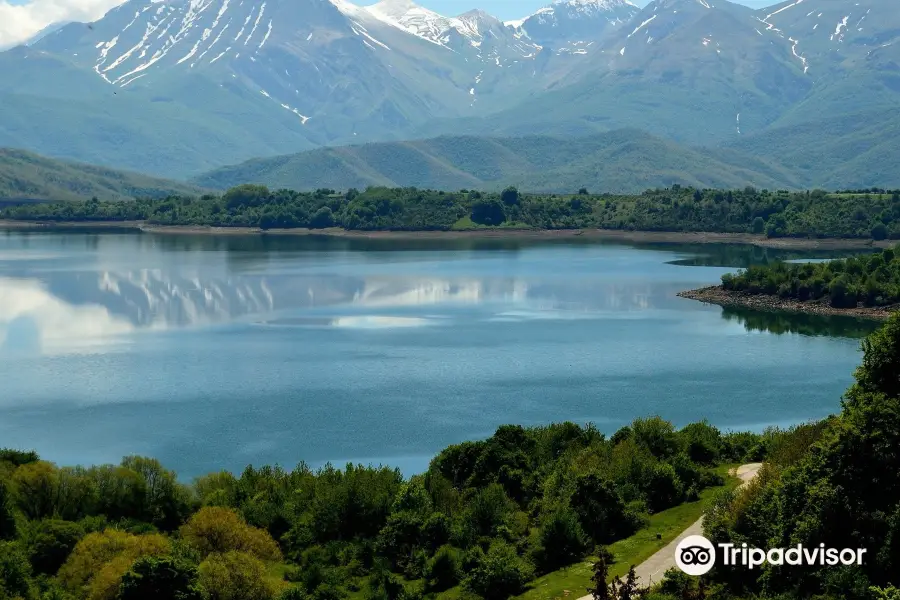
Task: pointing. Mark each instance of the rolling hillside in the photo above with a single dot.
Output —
(27, 175)
(619, 161)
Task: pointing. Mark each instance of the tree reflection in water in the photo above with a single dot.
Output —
(781, 322)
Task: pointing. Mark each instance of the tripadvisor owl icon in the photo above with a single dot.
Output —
(695, 555)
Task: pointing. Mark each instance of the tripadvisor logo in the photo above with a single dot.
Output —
(696, 555)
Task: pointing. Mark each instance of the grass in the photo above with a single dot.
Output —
(573, 581)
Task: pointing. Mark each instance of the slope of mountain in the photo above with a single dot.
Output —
(621, 161)
(688, 70)
(852, 151)
(27, 175)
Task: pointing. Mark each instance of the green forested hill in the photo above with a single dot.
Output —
(620, 161)
(27, 175)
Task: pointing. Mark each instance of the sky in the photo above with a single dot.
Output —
(21, 19)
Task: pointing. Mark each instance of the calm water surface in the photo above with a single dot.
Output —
(216, 352)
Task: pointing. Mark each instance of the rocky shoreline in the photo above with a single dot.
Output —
(717, 295)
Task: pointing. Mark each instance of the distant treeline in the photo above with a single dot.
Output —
(871, 280)
(859, 214)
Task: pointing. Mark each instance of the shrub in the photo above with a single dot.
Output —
(217, 529)
(501, 573)
(234, 576)
(444, 569)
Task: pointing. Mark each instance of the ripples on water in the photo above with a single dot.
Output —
(213, 352)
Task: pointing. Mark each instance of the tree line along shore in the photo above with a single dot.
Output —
(512, 515)
(872, 214)
(864, 286)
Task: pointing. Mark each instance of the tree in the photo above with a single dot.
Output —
(215, 529)
(245, 195)
(510, 196)
(840, 293)
(50, 542)
(7, 519)
(37, 487)
(759, 225)
(879, 232)
(499, 574)
(322, 219)
(488, 211)
(99, 561)
(629, 589)
(234, 576)
(154, 578)
(600, 588)
(444, 569)
(583, 192)
(657, 435)
(561, 540)
(15, 572)
(600, 509)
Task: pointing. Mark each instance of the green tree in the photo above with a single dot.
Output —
(560, 541)
(322, 219)
(245, 195)
(488, 211)
(15, 572)
(600, 509)
(600, 576)
(500, 573)
(155, 578)
(49, 543)
(7, 518)
(759, 225)
(510, 196)
(444, 569)
(234, 576)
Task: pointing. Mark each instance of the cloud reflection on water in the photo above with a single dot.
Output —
(68, 311)
(32, 320)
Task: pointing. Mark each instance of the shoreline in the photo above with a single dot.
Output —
(716, 295)
(658, 237)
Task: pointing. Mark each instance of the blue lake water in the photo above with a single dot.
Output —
(218, 352)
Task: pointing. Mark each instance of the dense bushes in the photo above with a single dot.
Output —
(778, 214)
(487, 516)
(870, 280)
(835, 483)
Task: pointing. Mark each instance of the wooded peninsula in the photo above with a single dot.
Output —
(867, 286)
(872, 214)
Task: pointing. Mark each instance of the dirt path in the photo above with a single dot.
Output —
(651, 571)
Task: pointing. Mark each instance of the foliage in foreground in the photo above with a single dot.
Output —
(488, 516)
(777, 214)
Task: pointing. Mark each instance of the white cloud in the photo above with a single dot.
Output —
(18, 22)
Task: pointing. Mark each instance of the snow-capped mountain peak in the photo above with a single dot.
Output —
(569, 24)
(410, 17)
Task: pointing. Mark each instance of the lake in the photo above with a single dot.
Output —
(217, 352)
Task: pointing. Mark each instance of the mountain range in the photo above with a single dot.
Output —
(177, 88)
